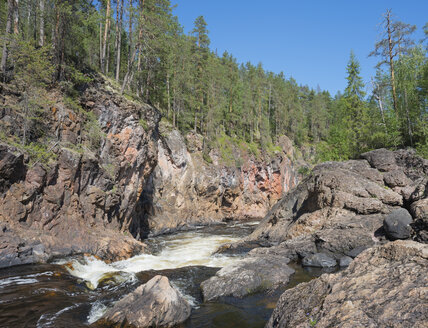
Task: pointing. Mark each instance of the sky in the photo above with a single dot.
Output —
(309, 40)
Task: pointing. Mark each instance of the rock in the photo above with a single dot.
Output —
(419, 210)
(385, 286)
(184, 190)
(154, 304)
(320, 260)
(83, 201)
(340, 207)
(345, 261)
(12, 167)
(397, 224)
(250, 275)
(396, 178)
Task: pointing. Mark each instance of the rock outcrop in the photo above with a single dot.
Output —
(385, 286)
(248, 276)
(86, 200)
(154, 304)
(184, 190)
(339, 210)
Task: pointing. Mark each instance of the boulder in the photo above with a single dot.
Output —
(319, 260)
(250, 275)
(154, 304)
(397, 224)
(345, 261)
(385, 286)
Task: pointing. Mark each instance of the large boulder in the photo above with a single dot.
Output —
(250, 275)
(154, 304)
(397, 224)
(385, 286)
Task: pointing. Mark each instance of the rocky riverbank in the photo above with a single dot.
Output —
(339, 211)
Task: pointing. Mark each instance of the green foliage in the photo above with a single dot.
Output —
(92, 131)
(144, 124)
(33, 67)
(37, 152)
(207, 158)
(239, 108)
(304, 171)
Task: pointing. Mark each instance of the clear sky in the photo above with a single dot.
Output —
(309, 40)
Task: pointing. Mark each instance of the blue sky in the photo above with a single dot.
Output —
(309, 40)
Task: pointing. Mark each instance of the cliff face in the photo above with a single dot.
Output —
(114, 180)
(85, 202)
(184, 190)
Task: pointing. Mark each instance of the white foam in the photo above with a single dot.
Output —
(47, 320)
(187, 249)
(97, 311)
(17, 281)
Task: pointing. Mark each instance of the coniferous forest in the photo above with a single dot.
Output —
(147, 180)
(141, 46)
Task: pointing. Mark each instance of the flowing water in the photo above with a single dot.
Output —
(76, 292)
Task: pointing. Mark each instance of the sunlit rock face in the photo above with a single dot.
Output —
(154, 304)
(385, 286)
(86, 200)
(184, 190)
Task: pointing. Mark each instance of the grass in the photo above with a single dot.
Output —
(37, 152)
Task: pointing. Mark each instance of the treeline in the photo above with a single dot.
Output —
(141, 45)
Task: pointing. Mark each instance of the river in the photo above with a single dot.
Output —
(75, 292)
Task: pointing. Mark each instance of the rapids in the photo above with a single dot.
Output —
(75, 292)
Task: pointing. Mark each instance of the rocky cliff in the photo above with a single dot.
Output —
(85, 200)
(113, 179)
(184, 190)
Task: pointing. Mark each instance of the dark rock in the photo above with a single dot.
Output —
(353, 253)
(382, 287)
(320, 260)
(12, 167)
(250, 275)
(397, 224)
(154, 304)
(345, 261)
(396, 178)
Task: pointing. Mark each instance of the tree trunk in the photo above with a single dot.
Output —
(101, 46)
(118, 37)
(131, 65)
(391, 62)
(24, 135)
(42, 23)
(131, 13)
(168, 96)
(10, 5)
(103, 58)
(16, 17)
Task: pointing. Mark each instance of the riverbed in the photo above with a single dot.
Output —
(75, 292)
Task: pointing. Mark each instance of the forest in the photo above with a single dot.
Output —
(141, 47)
